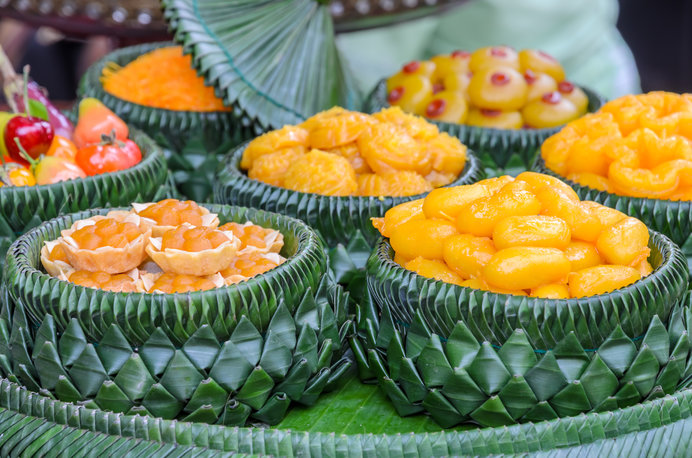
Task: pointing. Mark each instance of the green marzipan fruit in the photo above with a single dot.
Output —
(194, 141)
(497, 148)
(179, 315)
(275, 63)
(338, 219)
(255, 374)
(671, 218)
(459, 378)
(494, 317)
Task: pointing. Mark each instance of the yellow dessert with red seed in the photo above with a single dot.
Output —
(637, 145)
(494, 86)
(346, 153)
(529, 235)
(110, 252)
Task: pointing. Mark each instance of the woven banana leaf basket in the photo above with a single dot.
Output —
(501, 150)
(459, 378)
(193, 141)
(545, 322)
(22, 208)
(337, 219)
(224, 356)
(673, 219)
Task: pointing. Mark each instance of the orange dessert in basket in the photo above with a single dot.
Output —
(346, 153)
(525, 236)
(170, 213)
(101, 280)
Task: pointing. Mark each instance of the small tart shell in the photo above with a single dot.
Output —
(274, 241)
(199, 263)
(275, 257)
(133, 274)
(54, 268)
(105, 259)
(147, 280)
(210, 220)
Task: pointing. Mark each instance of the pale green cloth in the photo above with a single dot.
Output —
(580, 34)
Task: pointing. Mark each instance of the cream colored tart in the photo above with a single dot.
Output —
(127, 282)
(54, 259)
(153, 213)
(119, 247)
(172, 283)
(255, 238)
(191, 261)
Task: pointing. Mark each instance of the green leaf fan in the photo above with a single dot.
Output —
(274, 62)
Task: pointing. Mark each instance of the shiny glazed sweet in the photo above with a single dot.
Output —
(346, 153)
(637, 145)
(494, 86)
(525, 236)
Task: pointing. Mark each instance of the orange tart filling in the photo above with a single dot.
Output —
(170, 283)
(121, 283)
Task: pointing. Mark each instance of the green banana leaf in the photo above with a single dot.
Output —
(193, 142)
(458, 378)
(494, 317)
(673, 219)
(275, 63)
(501, 150)
(337, 219)
(179, 315)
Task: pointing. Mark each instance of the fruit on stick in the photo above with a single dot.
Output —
(34, 135)
(96, 119)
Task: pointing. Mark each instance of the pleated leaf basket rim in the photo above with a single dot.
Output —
(670, 276)
(527, 437)
(377, 100)
(645, 205)
(23, 265)
(232, 176)
(90, 86)
(152, 159)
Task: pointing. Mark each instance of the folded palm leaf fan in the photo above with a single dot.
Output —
(274, 62)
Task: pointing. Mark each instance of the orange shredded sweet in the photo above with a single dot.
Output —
(162, 78)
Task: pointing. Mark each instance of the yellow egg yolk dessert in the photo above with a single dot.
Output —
(345, 153)
(106, 233)
(169, 283)
(529, 235)
(495, 87)
(102, 280)
(192, 239)
(637, 145)
(173, 212)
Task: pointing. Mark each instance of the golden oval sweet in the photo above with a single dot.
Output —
(421, 237)
(480, 216)
(606, 215)
(601, 279)
(540, 180)
(398, 215)
(532, 230)
(434, 269)
(552, 291)
(582, 255)
(526, 267)
(624, 242)
(445, 203)
(467, 255)
(555, 202)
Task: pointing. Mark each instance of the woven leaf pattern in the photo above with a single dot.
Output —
(463, 379)
(253, 374)
(275, 63)
(497, 148)
(673, 219)
(138, 315)
(494, 317)
(337, 219)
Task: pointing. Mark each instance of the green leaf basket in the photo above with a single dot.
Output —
(24, 207)
(255, 374)
(460, 378)
(194, 141)
(671, 218)
(545, 322)
(501, 150)
(139, 315)
(338, 219)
